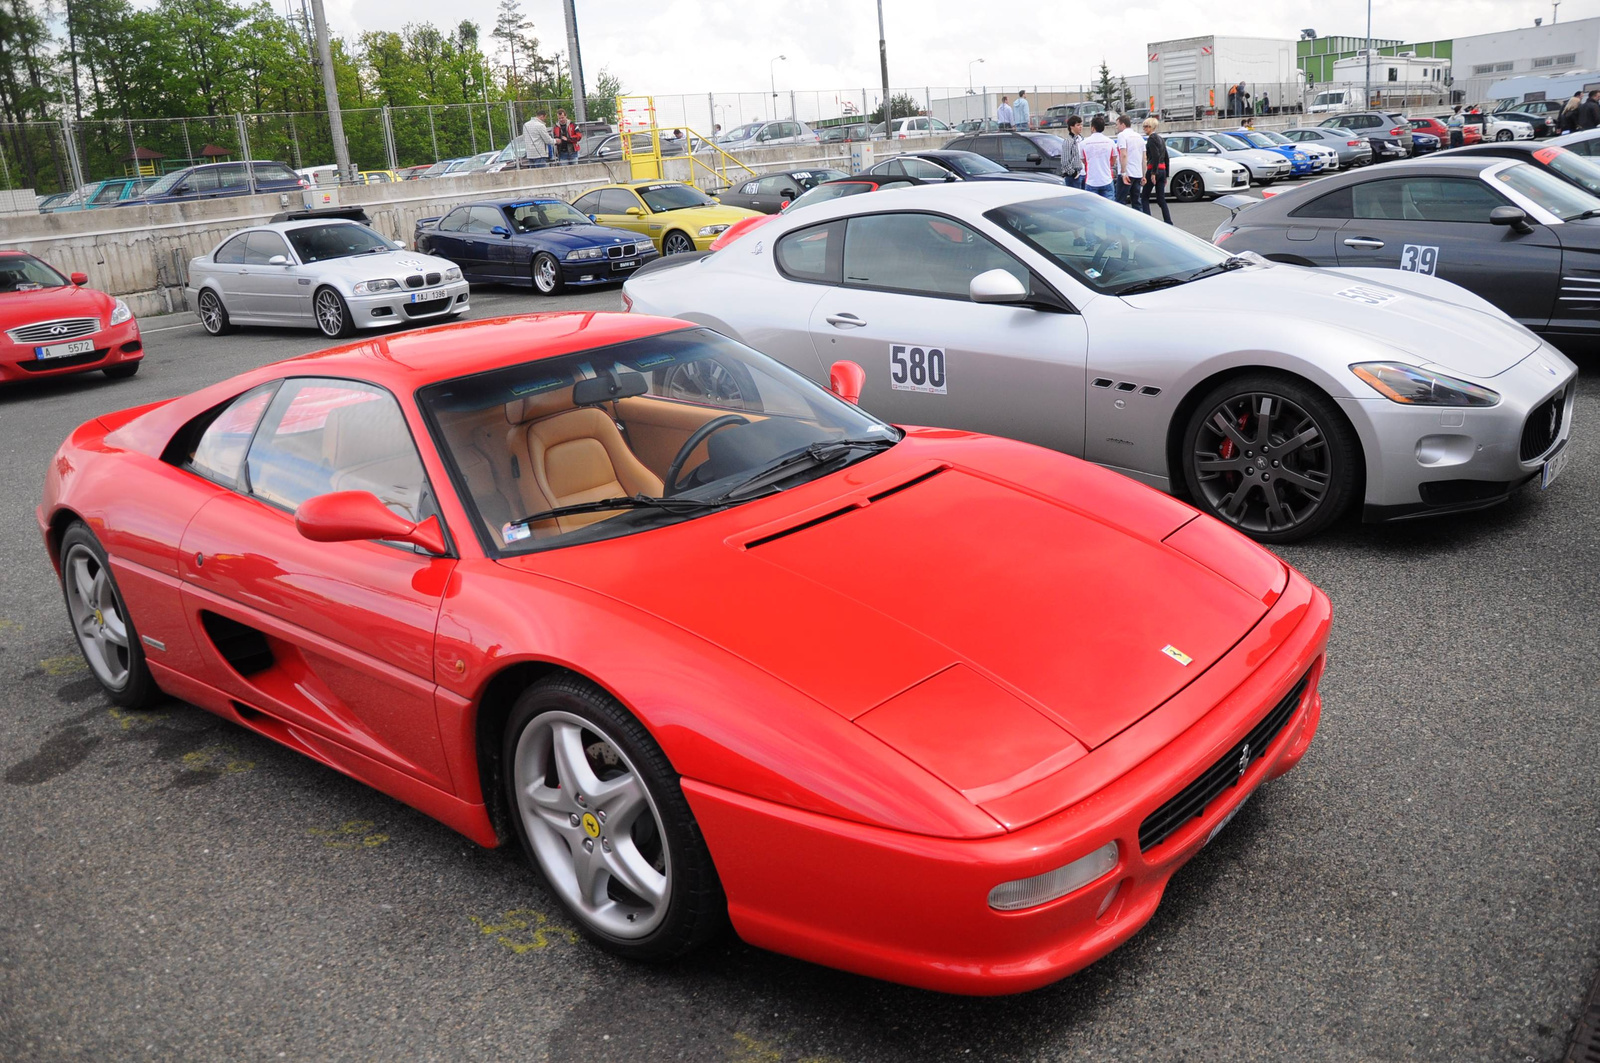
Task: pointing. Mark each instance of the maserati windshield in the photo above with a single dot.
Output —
(635, 436)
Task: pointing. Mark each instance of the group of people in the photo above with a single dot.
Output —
(1131, 168)
(545, 145)
(1579, 113)
(1014, 115)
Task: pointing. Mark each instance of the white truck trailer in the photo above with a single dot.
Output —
(1190, 77)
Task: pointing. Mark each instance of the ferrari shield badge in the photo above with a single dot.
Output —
(1177, 655)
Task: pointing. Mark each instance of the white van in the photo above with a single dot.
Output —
(320, 176)
(1333, 100)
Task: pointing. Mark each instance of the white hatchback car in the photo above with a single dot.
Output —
(769, 135)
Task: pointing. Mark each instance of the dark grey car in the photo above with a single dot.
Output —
(1017, 152)
(1353, 148)
(1389, 134)
(1515, 235)
(772, 192)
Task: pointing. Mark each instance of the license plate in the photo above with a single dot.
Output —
(64, 350)
(627, 263)
(1553, 466)
(428, 297)
(1228, 818)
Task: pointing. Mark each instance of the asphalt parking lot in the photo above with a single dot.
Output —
(1425, 885)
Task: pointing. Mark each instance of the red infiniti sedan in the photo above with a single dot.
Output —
(51, 325)
(707, 641)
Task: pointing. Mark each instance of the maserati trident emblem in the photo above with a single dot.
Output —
(1177, 655)
(1244, 759)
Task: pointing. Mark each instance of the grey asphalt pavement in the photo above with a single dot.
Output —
(1425, 885)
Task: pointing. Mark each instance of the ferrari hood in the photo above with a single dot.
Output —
(954, 600)
(1434, 321)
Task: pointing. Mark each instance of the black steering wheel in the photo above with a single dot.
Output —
(670, 485)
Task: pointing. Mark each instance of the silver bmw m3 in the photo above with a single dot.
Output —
(330, 274)
(1275, 397)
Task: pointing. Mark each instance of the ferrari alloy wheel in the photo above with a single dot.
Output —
(1187, 187)
(547, 274)
(100, 621)
(333, 317)
(1270, 456)
(213, 315)
(676, 243)
(600, 814)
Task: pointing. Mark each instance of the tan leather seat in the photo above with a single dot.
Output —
(579, 456)
(366, 447)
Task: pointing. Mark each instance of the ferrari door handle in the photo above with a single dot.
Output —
(845, 321)
(1365, 243)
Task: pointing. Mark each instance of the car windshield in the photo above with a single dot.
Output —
(1574, 167)
(662, 198)
(970, 163)
(639, 408)
(1274, 139)
(318, 243)
(1107, 247)
(1254, 140)
(831, 190)
(24, 273)
(165, 184)
(1548, 191)
(1229, 142)
(545, 214)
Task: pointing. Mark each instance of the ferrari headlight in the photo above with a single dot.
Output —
(1028, 892)
(711, 230)
(452, 274)
(120, 312)
(1410, 386)
(373, 287)
(583, 254)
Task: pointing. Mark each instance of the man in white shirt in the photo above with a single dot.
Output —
(1100, 160)
(1002, 113)
(1130, 153)
(537, 141)
(1019, 110)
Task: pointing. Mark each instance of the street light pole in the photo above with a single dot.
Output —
(883, 63)
(773, 77)
(330, 89)
(969, 74)
(1367, 99)
(580, 105)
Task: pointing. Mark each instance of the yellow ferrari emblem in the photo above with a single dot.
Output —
(1177, 655)
(591, 826)
(99, 618)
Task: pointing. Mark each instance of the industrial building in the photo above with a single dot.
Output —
(1551, 48)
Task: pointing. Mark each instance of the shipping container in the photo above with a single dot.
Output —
(1190, 77)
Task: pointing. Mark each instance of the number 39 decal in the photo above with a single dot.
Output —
(917, 369)
(1419, 258)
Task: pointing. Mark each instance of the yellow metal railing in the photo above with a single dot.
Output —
(636, 116)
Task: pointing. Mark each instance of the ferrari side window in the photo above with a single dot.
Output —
(323, 435)
(219, 452)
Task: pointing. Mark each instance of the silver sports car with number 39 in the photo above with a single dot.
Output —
(1272, 396)
(330, 274)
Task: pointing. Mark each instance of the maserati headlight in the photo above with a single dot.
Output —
(120, 312)
(373, 287)
(1411, 386)
(452, 274)
(583, 254)
(711, 230)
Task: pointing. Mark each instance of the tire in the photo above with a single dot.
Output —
(547, 279)
(122, 370)
(1504, 135)
(100, 621)
(658, 892)
(213, 315)
(1187, 187)
(332, 314)
(676, 243)
(1251, 491)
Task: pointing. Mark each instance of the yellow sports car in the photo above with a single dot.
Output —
(675, 216)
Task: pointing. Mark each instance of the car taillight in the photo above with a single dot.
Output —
(1396, 132)
(1354, 144)
(1222, 237)
(627, 303)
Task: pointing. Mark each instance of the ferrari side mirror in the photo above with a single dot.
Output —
(356, 516)
(846, 379)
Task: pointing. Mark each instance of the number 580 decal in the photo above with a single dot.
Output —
(917, 369)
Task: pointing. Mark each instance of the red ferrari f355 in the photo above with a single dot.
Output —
(710, 643)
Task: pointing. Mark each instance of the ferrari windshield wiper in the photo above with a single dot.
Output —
(669, 505)
(817, 454)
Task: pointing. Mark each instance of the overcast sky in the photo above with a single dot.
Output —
(683, 46)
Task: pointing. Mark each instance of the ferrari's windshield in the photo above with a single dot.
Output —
(24, 273)
(626, 438)
(1107, 247)
(662, 198)
(318, 243)
(545, 214)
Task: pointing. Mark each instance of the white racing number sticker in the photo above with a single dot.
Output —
(1419, 258)
(917, 368)
(1363, 293)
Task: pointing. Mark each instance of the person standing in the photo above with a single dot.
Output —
(1072, 154)
(1156, 161)
(1130, 158)
(567, 137)
(1589, 111)
(1019, 110)
(1568, 122)
(537, 142)
(1003, 114)
(1100, 160)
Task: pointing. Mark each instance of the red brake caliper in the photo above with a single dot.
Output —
(1228, 450)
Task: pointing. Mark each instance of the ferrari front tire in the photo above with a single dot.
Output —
(1271, 456)
(213, 315)
(547, 279)
(602, 819)
(101, 623)
(333, 315)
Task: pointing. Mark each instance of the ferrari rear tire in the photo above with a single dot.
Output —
(1271, 456)
(676, 243)
(101, 623)
(122, 370)
(213, 315)
(601, 817)
(547, 279)
(333, 315)
(1187, 187)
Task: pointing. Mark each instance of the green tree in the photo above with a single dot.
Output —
(901, 105)
(515, 31)
(603, 103)
(1105, 90)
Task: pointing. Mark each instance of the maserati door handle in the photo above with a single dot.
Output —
(1365, 243)
(844, 321)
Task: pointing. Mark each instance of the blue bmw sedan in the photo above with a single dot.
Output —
(543, 242)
